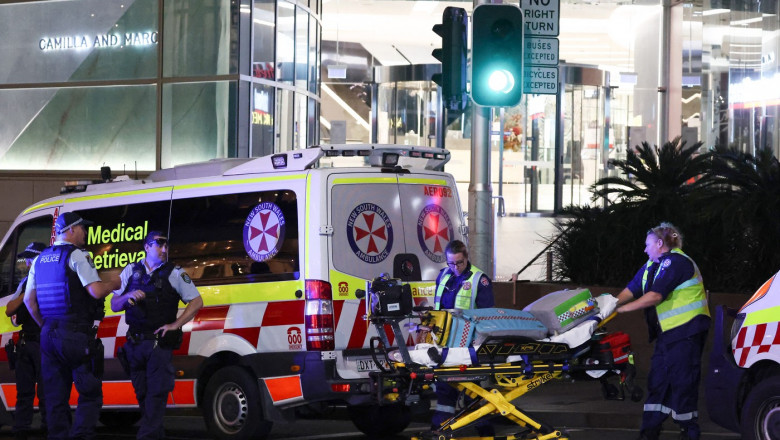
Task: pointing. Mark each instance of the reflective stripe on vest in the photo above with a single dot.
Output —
(465, 298)
(686, 301)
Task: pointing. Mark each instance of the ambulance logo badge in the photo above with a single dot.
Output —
(370, 233)
(434, 231)
(264, 231)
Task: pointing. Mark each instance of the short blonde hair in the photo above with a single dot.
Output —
(669, 233)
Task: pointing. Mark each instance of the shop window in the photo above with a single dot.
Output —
(262, 120)
(78, 128)
(200, 38)
(285, 42)
(197, 121)
(13, 269)
(285, 124)
(301, 48)
(301, 122)
(236, 238)
(314, 65)
(264, 25)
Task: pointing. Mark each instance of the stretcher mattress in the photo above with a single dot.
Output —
(454, 356)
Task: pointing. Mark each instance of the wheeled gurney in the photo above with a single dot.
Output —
(495, 373)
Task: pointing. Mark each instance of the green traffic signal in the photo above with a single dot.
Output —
(497, 55)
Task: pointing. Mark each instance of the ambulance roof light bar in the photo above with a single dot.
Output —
(388, 156)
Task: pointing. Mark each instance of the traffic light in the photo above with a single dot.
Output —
(497, 55)
(452, 79)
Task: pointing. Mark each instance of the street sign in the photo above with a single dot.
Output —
(540, 51)
(540, 80)
(541, 17)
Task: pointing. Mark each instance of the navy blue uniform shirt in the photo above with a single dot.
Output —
(484, 289)
(675, 269)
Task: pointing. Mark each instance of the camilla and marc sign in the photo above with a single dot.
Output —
(81, 42)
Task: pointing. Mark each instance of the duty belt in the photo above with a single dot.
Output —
(136, 337)
(72, 326)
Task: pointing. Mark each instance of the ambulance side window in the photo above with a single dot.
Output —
(236, 238)
(116, 238)
(12, 269)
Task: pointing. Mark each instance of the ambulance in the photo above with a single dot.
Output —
(743, 379)
(278, 247)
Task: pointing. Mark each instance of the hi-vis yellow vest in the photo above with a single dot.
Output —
(465, 298)
(686, 301)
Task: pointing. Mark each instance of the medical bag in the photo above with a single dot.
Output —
(615, 347)
(563, 310)
(390, 297)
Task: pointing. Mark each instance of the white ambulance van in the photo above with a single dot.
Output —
(277, 246)
(743, 379)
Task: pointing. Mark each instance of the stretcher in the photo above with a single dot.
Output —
(494, 374)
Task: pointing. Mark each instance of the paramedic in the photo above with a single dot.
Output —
(65, 296)
(150, 293)
(459, 286)
(669, 288)
(28, 354)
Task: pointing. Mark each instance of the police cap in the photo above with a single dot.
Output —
(32, 250)
(67, 220)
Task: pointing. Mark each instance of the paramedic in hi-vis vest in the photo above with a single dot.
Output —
(670, 289)
(459, 286)
(150, 293)
(65, 297)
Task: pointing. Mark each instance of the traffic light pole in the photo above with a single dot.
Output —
(480, 214)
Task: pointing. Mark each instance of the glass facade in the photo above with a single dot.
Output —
(147, 84)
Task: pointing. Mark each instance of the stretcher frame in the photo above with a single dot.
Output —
(540, 362)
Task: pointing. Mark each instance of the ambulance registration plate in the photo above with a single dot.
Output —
(367, 364)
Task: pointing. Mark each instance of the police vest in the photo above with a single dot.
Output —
(161, 304)
(686, 301)
(60, 293)
(464, 298)
(23, 316)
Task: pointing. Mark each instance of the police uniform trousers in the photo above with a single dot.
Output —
(673, 386)
(446, 402)
(152, 374)
(28, 374)
(65, 362)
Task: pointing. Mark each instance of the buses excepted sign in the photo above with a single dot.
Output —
(540, 80)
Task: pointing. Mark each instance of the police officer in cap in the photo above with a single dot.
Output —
(65, 296)
(150, 293)
(28, 354)
(461, 286)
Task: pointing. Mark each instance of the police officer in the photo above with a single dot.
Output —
(460, 285)
(65, 296)
(670, 289)
(28, 354)
(150, 293)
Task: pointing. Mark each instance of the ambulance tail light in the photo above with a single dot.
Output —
(319, 316)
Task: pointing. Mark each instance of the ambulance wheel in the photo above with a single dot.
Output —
(119, 419)
(761, 411)
(232, 407)
(380, 421)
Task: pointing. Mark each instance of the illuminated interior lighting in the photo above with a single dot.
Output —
(709, 12)
(746, 21)
(263, 22)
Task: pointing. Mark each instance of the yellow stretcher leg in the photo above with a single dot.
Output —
(499, 401)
